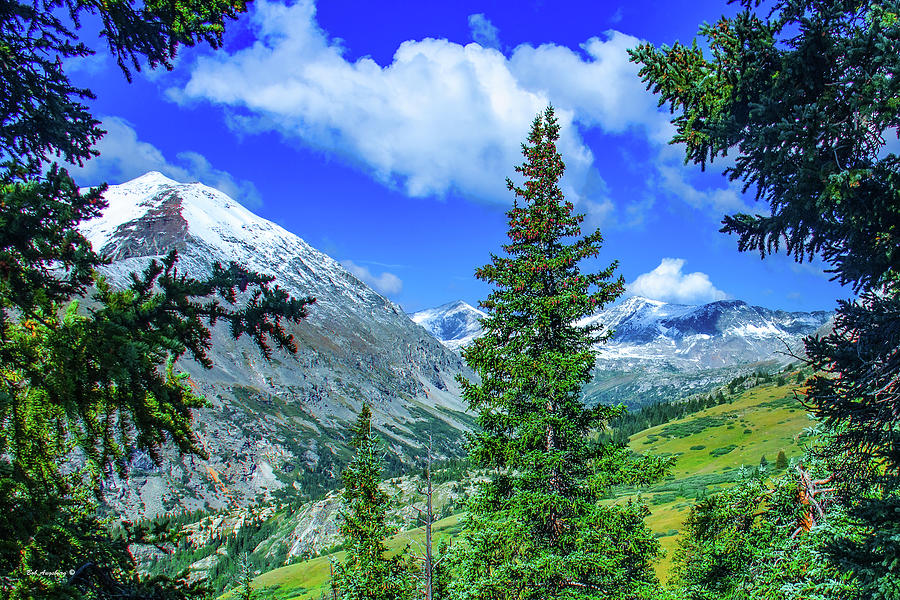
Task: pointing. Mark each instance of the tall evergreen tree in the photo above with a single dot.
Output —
(536, 529)
(367, 573)
(102, 380)
(804, 92)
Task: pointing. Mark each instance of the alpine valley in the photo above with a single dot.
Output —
(280, 428)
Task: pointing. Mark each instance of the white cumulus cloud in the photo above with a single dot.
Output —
(668, 283)
(444, 117)
(123, 157)
(441, 117)
(386, 283)
(600, 85)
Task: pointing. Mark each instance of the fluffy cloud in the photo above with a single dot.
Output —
(669, 284)
(444, 117)
(600, 86)
(441, 116)
(483, 31)
(386, 283)
(123, 157)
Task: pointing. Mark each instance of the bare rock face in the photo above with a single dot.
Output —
(156, 232)
(317, 527)
(300, 531)
(278, 425)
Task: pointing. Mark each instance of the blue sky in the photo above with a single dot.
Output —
(382, 134)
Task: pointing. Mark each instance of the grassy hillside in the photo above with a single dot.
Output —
(711, 447)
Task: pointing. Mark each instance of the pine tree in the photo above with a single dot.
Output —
(805, 92)
(102, 381)
(536, 529)
(781, 461)
(737, 544)
(245, 578)
(367, 573)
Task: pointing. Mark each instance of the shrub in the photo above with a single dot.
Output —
(722, 451)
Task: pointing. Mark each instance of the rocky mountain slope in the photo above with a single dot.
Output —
(278, 425)
(662, 351)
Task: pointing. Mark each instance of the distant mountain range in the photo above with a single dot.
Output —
(718, 334)
(661, 351)
(279, 424)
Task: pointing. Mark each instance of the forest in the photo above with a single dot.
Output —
(798, 95)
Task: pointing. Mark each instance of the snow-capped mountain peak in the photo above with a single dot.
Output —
(288, 414)
(455, 324)
(152, 214)
(205, 212)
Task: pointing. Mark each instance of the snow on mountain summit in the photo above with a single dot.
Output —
(152, 214)
(455, 324)
(210, 215)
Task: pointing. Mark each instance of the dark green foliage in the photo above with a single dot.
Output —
(43, 114)
(692, 427)
(804, 92)
(738, 545)
(101, 380)
(233, 548)
(722, 451)
(804, 95)
(451, 469)
(367, 573)
(245, 579)
(38, 236)
(870, 551)
(56, 547)
(96, 379)
(535, 529)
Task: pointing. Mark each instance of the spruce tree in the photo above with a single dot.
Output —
(367, 573)
(245, 578)
(738, 543)
(781, 461)
(535, 528)
(101, 380)
(804, 94)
